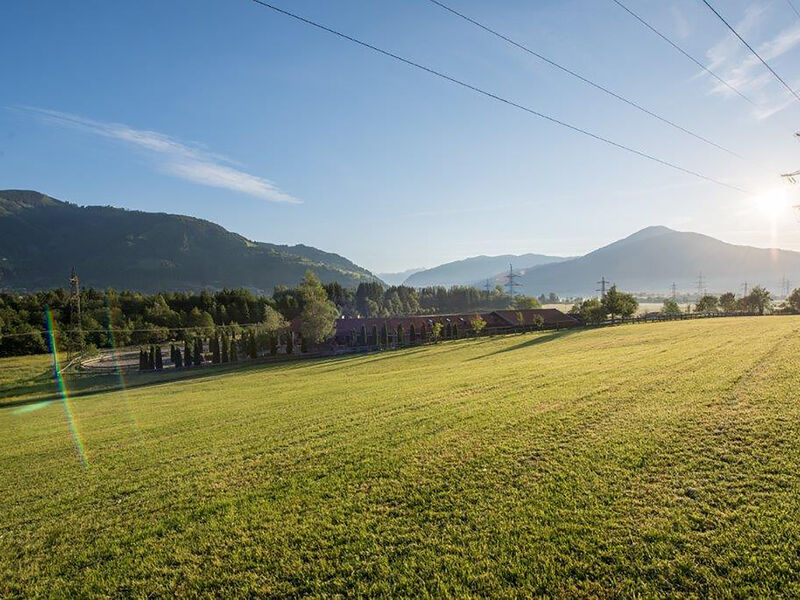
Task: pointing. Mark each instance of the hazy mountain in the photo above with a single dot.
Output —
(41, 239)
(475, 270)
(653, 258)
(398, 278)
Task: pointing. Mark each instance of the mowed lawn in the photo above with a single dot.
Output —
(659, 459)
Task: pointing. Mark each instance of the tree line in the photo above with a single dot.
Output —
(109, 318)
(758, 300)
(616, 304)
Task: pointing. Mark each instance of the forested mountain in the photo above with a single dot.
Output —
(655, 257)
(42, 238)
(475, 270)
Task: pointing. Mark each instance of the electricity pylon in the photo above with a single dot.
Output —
(511, 281)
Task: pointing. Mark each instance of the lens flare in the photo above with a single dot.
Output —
(112, 342)
(80, 447)
(31, 407)
(119, 369)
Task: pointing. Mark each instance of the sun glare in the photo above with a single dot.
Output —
(771, 202)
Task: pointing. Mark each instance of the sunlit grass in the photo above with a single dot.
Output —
(649, 459)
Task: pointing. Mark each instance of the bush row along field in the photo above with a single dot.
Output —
(657, 460)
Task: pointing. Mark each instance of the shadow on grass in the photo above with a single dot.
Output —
(386, 354)
(382, 355)
(536, 341)
(80, 386)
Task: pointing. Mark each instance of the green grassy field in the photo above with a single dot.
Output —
(659, 459)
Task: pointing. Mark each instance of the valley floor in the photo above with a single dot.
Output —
(638, 460)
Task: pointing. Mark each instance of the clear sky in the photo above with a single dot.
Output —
(227, 111)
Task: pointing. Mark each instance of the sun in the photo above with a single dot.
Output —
(771, 203)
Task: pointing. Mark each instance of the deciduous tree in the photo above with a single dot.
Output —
(670, 307)
(478, 324)
(591, 311)
(727, 301)
(619, 303)
(318, 317)
(707, 303)
(759, 300)
(793, 300)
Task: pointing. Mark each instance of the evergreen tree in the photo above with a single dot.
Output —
(178, 358)
(198, 352)
(224, 353)
(252, 348)
(151, 359)
(273, 344)
(303, 344)
(159, 359)
(234, 354)
(187, 353)
(215, 350)
(289, 343)
(142, 360)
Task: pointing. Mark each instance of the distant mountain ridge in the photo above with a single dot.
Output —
(42, 238)
(475, 270)
(399, 277)
(652, 259)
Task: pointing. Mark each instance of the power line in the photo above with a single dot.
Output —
(682, 51)
(494, 96)
(793, 7)
(749, 47)
(585, 79)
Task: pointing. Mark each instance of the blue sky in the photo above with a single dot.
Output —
(229, 112)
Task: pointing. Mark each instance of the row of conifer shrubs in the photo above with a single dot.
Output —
(218, 349)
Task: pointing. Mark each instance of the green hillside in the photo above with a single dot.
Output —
(41, 239)
(649, 460)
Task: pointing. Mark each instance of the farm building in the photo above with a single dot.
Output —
(370, 331)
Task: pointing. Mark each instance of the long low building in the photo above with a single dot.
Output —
(372, 331)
